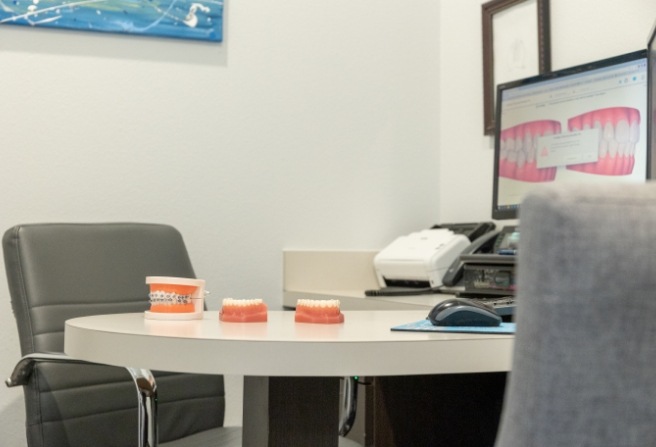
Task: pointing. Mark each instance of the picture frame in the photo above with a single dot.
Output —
(513, 48)
(182, 19)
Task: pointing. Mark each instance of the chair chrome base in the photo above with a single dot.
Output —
(147, 393)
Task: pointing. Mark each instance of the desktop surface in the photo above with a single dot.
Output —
(364, 345)
(346, 275)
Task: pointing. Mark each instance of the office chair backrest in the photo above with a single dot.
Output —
(585, 348)
(60, 271)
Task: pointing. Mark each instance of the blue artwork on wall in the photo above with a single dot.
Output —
(186, 19)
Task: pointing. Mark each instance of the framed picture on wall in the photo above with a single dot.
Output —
(184, 19)
(516, 44)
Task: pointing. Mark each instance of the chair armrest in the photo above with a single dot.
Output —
(142, 378)
(24, 367)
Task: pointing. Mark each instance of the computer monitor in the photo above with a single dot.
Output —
(584, 124)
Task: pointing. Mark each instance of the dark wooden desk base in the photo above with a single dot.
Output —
(420, 411)
(291, 411)
(438, 410)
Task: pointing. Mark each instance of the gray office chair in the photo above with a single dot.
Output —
(60, 271)
(585, 348)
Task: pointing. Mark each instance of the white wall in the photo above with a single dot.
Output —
(581, 31)
(313, 125)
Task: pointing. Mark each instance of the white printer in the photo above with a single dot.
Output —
(419, 259)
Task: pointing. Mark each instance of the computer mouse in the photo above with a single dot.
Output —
(463, 312)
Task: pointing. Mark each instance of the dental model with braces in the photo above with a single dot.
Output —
(162, 297)
(170, 302)
(173, 298)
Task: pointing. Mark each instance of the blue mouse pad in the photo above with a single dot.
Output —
(426, 326)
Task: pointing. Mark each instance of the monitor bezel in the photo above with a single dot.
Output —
(651, 101)
(513, 213)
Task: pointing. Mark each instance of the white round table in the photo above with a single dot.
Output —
(276, 355)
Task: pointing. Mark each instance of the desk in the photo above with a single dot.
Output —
(343, 275)
(287, 366)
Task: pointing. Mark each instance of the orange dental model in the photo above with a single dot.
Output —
(318, 311)
(243, 311)
(172, 295)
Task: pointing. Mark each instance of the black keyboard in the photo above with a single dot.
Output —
(504, 305)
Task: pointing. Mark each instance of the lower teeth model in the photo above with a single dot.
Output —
(243, 311)
(318, 311)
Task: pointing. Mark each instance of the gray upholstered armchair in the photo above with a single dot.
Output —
(585, 349)
(60, 271)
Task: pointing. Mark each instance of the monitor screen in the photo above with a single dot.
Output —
(583, 124)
